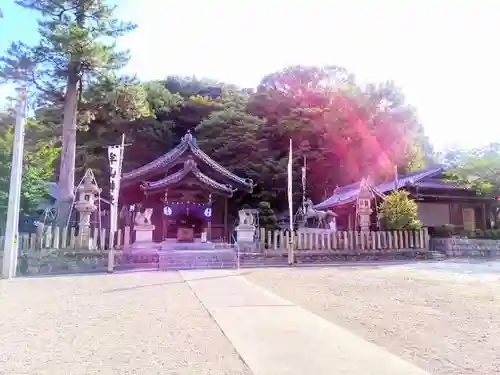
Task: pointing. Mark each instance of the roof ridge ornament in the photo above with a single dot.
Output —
(189, 138)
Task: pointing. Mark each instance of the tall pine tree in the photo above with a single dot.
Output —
(77, 45)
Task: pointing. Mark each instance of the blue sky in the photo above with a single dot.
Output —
(442, 53)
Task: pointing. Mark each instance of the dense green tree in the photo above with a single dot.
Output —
(478, 168)
(267, 217)
(77, 45)
(116, 106)
(39, 157)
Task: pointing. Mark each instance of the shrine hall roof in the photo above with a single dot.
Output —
(190, 168)
(187, 145)
(349, 193)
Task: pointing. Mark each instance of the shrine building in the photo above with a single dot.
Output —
(188, 192)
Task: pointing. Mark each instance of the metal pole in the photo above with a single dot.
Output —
(396, 182)
(11, 246)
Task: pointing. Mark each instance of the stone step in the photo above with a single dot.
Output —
(197, 259)
(438, 255)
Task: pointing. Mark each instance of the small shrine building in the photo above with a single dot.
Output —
(440, 202)
(188, 192)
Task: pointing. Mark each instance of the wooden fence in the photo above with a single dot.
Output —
(323, 240)
(302, 239)
(71, 238)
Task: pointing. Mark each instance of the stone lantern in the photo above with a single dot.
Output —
(87, 195)
(363, 205)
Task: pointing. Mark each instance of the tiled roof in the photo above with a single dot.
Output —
(349, 193)
(189, 168)
(188, 142)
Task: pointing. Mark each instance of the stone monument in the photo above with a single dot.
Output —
(88, 193)
(245, 231)
(143, 227)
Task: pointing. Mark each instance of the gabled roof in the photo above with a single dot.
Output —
(187, 144)
(190, 168)
(349, 193)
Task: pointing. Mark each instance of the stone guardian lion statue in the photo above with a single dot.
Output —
(143, 218)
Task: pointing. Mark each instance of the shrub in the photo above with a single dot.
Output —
(267, 217)
(489, 234)
(399, 212)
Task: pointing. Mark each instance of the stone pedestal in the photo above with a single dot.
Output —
(245, 233)
(364, 222)
(144, 234)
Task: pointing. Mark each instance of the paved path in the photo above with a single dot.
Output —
(275, 337)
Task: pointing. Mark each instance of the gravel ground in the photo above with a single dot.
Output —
(443, 322)
(136, 323)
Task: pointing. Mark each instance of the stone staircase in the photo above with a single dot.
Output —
(196, 255)
(196, 259)
(438, 255)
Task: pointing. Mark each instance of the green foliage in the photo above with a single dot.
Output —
(39, 157)
(489, 234)
(233, 135)
(399, 212)
(161, 100)
(267, 217)
(114, 99)
(478, 168)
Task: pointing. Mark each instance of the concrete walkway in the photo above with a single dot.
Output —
(276, 337)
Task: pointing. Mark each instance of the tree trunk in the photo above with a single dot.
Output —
(66, 183)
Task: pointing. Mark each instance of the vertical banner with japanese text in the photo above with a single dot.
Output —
(115, 171)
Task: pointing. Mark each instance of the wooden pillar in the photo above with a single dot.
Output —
(485, 219)
(225, 220)
(209, 224)
(349, 221)
(165, 218)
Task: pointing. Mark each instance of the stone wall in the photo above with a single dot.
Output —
(466, 247)
(56, 262)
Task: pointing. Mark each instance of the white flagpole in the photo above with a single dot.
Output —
(290, 207)
(11, 247)
(396, 178)
(304, 182)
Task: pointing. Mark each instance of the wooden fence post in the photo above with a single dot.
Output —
(426, 238)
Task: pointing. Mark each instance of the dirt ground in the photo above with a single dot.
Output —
(130, 324)
(443, 322)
